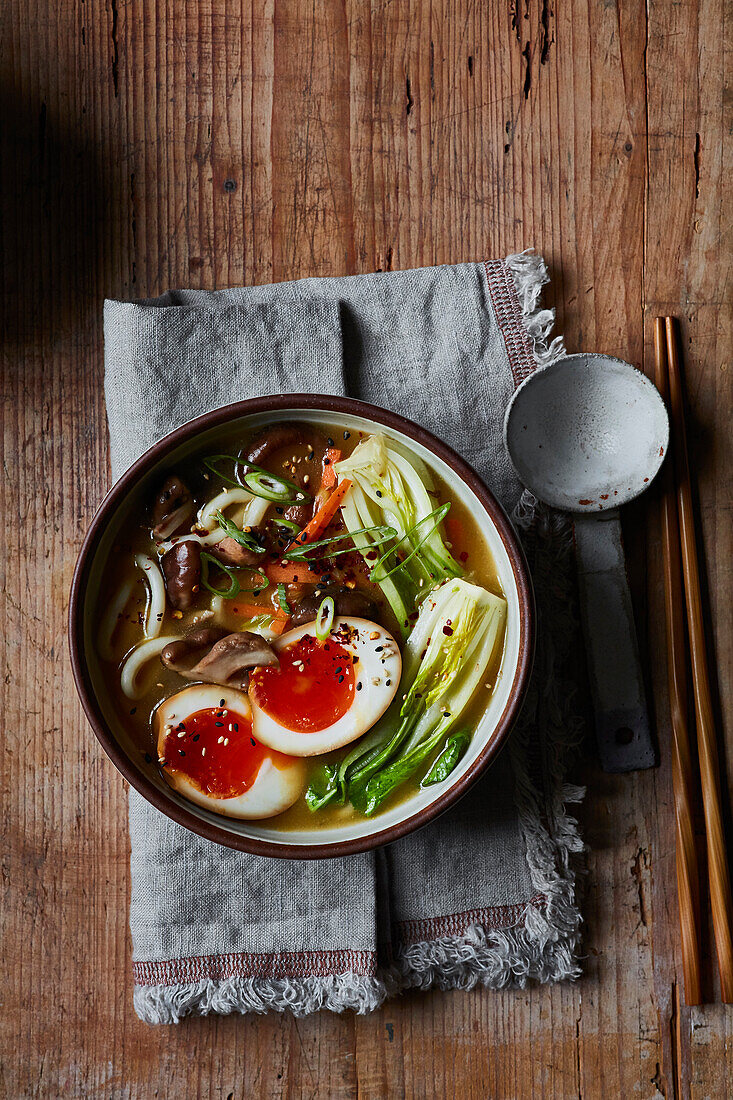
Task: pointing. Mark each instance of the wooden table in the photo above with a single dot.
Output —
(155, 144)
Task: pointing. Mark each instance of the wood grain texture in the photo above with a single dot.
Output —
(155, 143)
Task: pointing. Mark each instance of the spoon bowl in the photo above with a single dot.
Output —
(586, 433)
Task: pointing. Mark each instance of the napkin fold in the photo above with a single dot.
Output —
(486, 893)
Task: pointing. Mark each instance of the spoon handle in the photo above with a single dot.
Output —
(617, 685)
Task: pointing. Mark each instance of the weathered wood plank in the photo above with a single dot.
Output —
(149, 145)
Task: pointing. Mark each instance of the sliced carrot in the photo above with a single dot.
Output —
(289, 572)
(328, 478)
(313, 530)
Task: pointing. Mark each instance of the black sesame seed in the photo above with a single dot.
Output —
(196, 736)
(133, 710)
(378, 493)
(235, 727)
(347, 435)
(252, 740)
(340, 669)
(311, 456)
(358, 686)
(222, 702)
(341, 679)
(388, 682)
(327, 462)
(378, 648)
(218, 723)
(181, 752)
(330, 441)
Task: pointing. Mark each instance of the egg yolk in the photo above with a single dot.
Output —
(312, 688)
(215, 749)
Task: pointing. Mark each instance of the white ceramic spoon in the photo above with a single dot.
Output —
(587, 434)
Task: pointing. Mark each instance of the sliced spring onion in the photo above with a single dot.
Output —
(269, 486)
(385, 534)
(211, 463)
(288, 524)
(437, 516)
(258, 482)
(207, 560)
(324, 618)
(242, 537)
(282, 599)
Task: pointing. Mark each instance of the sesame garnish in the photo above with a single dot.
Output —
(219, 740)
(358, 686)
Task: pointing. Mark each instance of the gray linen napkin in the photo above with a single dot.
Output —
(486, 893)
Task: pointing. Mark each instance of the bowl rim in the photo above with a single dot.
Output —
(280, 403)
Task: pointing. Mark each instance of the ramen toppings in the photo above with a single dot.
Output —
(304, 589)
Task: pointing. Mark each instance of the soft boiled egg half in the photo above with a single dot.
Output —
(324, 694)
(208, 753)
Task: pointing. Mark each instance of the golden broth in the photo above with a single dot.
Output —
(158, 682)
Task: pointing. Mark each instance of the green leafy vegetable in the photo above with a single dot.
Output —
(298, 552)
(242, 537)
(287, 525)
(388, 489)
(454, 749)
(456, 637)
(207, 560)
(323, 787)
(235, 588)
(256, 480)
(282, 599)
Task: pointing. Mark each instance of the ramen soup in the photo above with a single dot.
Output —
(304, 625)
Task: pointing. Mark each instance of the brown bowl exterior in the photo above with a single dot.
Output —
(275, 405)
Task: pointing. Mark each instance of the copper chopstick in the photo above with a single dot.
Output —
(683, 777)
(707, 749)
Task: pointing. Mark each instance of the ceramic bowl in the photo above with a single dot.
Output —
(262, 837)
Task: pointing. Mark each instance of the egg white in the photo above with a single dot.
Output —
(378, 668)
(276, 786)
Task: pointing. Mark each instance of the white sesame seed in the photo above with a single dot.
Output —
(203, 751)
(219, 740)
(226, 740)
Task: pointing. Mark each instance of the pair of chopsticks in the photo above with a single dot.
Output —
(682, 591)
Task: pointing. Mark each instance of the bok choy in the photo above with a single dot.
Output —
(457, 637)
(391, 491)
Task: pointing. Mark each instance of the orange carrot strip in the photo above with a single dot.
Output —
(290, 572)
(313, 531)
(328, 478)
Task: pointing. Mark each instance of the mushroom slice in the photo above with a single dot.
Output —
(226, 661)
(173, 507)
(186, 652)
(347, 601)
(181, 566)
(231, 552)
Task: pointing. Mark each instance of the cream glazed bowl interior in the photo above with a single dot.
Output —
(199, 436)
